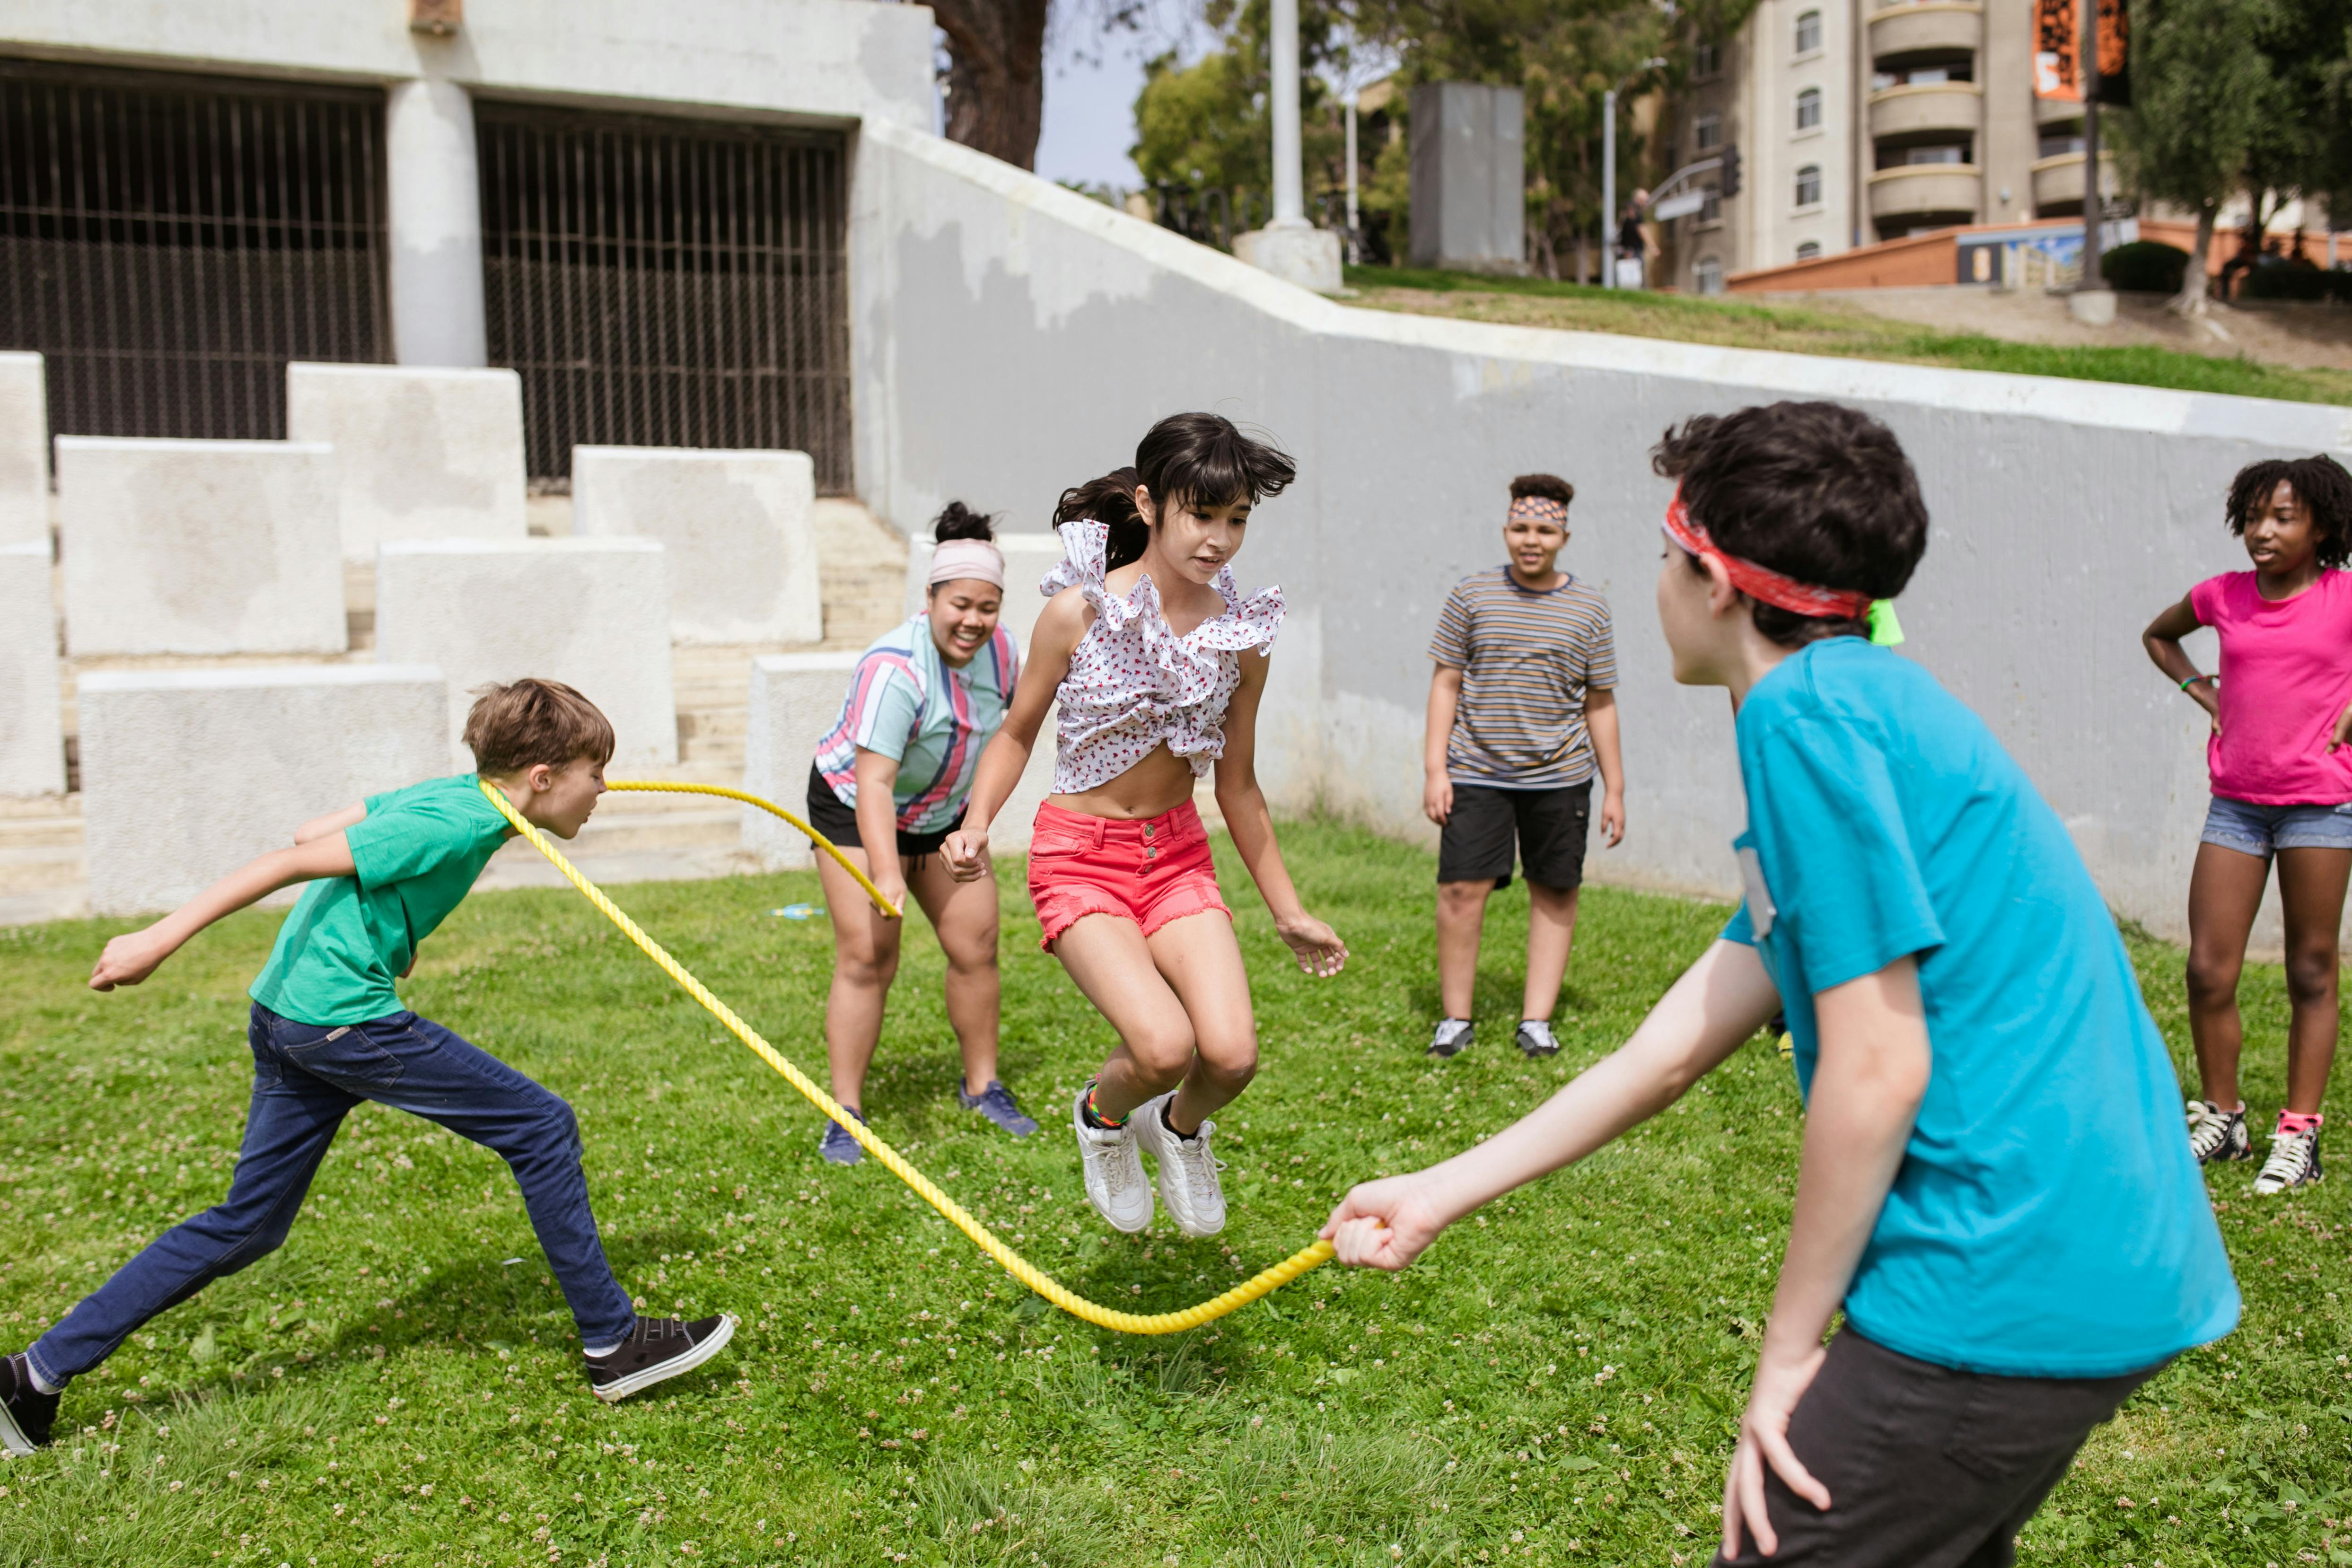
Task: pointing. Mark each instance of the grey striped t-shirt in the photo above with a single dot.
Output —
(1526, 660)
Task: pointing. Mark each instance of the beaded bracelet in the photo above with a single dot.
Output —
(2194, 679)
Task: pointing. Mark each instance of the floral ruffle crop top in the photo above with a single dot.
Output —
(1133, 682)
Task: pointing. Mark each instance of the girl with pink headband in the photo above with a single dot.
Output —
(893, 774)
(1157, 664)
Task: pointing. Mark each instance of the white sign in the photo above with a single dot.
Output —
(1679, 206)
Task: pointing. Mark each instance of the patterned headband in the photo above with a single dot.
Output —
(1761, 583)
(1542, 509)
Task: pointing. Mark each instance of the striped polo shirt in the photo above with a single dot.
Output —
(1526, 660)
(906, 702)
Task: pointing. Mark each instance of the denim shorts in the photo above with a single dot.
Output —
(2262, 830)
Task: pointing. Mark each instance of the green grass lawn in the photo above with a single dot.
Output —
(1555, 1383)
(1817, 327)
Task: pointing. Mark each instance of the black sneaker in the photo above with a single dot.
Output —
(1535, 1039)
(2215, 1134)
(996, 1102)
(2293, 1162)
(26, 1413)
(655, 1349)
(1452, 1037)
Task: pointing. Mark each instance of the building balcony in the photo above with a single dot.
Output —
(2049, 111)
(2058, 183)
(1926, 27)
(1913, 191)
(1938, 112)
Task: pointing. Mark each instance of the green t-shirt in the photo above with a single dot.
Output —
(414, 856)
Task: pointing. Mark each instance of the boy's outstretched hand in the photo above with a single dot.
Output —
(128, 960)
(1385, 1224)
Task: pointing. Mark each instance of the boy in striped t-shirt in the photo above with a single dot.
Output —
(1522, 713)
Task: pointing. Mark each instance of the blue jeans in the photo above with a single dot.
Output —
(2262, 830)
(306, 1079)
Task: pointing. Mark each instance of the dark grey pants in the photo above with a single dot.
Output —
(1926, 1467)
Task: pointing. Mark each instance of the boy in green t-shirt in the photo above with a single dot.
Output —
(328, 1031)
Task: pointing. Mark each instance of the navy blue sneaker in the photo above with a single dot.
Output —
(26, 1413)
(837, 1147)
(996, 1103)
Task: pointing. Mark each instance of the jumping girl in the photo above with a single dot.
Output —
(893, 772)
(2280, 759)
(1157, 664)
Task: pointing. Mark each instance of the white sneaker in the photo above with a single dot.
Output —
(1116, 1184)
(1188, 1171)
(2293, 1162)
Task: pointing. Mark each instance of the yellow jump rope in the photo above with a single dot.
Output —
(1019, 1267)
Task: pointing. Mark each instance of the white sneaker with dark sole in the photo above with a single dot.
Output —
(1188, 1171)
(2293, 1162)
(1116, 1184)
(658, 1349)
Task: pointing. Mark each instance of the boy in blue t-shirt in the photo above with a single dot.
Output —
(329, 1032)
(1993, 1187)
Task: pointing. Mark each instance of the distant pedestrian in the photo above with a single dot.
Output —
(2280, 759)
(890, 784)
(1522, 716)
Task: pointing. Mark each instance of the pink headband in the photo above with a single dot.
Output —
(975, 559)
(1761, 583)
(1542, 509)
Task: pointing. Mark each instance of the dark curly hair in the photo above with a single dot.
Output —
(959, 521)
(1551, 487)
(1813, 490)
(1110, 501)
(2322, 484)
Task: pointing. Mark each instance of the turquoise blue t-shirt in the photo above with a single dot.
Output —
(2048, 1219)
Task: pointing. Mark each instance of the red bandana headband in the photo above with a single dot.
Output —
(1542, 509)
(1761, 583)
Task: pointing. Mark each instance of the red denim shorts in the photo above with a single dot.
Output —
(1151, 871)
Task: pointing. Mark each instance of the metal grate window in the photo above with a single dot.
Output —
(170, 242)
(667, 283)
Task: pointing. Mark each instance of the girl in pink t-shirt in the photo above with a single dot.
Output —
(2281, 759)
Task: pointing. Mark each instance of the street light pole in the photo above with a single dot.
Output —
(1609, 169)
(1351, 180)
(2093, 201)
(1609, 189)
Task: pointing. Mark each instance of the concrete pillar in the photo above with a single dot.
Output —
(1289, 207)
(436, 204)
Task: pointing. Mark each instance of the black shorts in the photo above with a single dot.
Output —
(1923, 1464)
(1549, 824)
(838, 822)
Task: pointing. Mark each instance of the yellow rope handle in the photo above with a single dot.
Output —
(819, 840)
(1019, 1267)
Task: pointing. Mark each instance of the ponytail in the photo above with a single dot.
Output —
(1110, 501)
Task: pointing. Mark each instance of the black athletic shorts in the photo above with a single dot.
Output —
(838, 822)
(1549, 824)
(1927, 1467)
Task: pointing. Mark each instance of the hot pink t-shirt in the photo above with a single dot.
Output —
(2286, 674)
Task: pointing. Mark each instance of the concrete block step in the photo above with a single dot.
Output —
(721, 823)
(69, 902)
(61, 830)
(716, 723)
(39, 868)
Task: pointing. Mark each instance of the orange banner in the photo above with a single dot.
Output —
(2058, 49)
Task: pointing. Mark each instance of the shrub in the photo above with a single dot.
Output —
(2285, 283)
(2144, 266)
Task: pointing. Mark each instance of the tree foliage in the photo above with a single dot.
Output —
(2232, 97)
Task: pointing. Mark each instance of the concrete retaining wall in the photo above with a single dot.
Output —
(593, 614)
(24, 451)
(795, 697)
(419, 453)
(32, 736)
(742, 558)
(2066, 513)
(199, 547)
(188, 774)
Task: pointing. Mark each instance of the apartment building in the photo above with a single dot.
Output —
(1861, 120)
